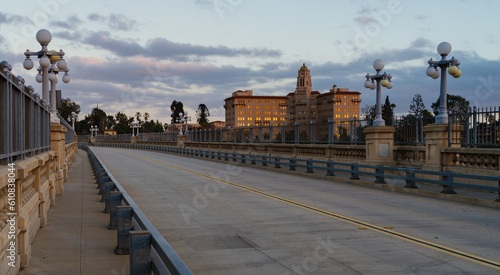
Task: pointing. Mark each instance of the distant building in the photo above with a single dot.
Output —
(217, 124)
(109, 132)
(302, 106)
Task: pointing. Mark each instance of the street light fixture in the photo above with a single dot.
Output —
(183, 118)
(375, 81)
(72, 118)
(48, 70)
(93, 131)
(135, 125)
(444, 48)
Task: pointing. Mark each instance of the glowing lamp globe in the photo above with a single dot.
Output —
(373, 86)
(43, 37)
(368, 84)
(44, 62)
(28, 64)
(378, 64)
(457, 74)
(384, 82)
(390, 85)
(444, 48)
(452, 70)
(430, 71)
(54, 58)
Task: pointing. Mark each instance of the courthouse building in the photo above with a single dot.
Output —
(245, 109)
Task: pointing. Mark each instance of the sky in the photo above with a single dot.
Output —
(138, 56)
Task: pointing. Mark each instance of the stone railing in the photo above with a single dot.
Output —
(471, 159)
(37, 180)
(409, 156)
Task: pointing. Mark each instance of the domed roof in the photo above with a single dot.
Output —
(304, 67)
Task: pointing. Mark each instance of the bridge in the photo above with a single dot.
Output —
(223, 205)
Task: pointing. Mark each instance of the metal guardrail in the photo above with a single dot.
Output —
(136, 235)
(478, 127)
(24, 119)
(448, 180)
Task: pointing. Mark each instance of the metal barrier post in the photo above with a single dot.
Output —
(379, 178)
(115, 199)
(140, 252)
(329, 171)
(277, 163)
(292, 165)
(448, 189)
(309, 166)
(108, 187)
(354, 172)
(124, 226)
(410, 179)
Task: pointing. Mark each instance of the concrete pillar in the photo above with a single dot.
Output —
(57, 144)
(380, 145)
(133, 140)
(436, 138)
(181, 141)
(92, 139)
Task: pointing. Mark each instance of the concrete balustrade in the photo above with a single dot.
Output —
(38, 179)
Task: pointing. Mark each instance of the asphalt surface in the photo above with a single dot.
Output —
(227, 219)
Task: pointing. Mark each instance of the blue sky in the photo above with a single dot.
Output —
(139, 56)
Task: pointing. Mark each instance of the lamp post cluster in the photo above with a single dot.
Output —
(48, 70)
(444, 48)
(72, 118)
(183, 118)
(135, 125)
(375, 81)
(93, 131)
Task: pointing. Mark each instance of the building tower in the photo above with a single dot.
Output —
(304, 84)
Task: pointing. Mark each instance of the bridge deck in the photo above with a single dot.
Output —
(226, 219)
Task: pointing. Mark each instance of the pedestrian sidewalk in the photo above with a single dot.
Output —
(76, 239)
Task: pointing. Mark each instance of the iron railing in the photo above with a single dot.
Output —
(476, 128)
(409, 130)
(70, 132)
(24, 119)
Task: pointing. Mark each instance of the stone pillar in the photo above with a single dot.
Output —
(133, 139)
(57, 144)
(92, 139)
(380, 145)
(436, 137)
(181, 141)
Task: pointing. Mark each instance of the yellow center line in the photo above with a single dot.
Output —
(438, 247)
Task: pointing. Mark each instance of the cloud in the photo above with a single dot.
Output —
(14, 19)
(70, 23)
(363, 20)
(114, 21)
(165, 49)
(421, 43)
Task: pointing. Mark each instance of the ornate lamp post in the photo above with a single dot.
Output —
(183, 118)
(93, 131)
(444, 48)
(72, 118)
(375, 81)
(135, 125)
(48, 69)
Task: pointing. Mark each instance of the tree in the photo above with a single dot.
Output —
(67, 107)
(455, 104)
(202, 114)
(146, 116)
(417, 105)
(98, 117)
(368, 112)
(110, 122)
(122, 124)
(388, 111)
(176, 107)
(138, 116)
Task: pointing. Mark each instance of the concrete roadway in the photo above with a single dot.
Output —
(227, 219)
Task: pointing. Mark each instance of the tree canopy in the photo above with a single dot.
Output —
(455, 104)
(202, 115)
